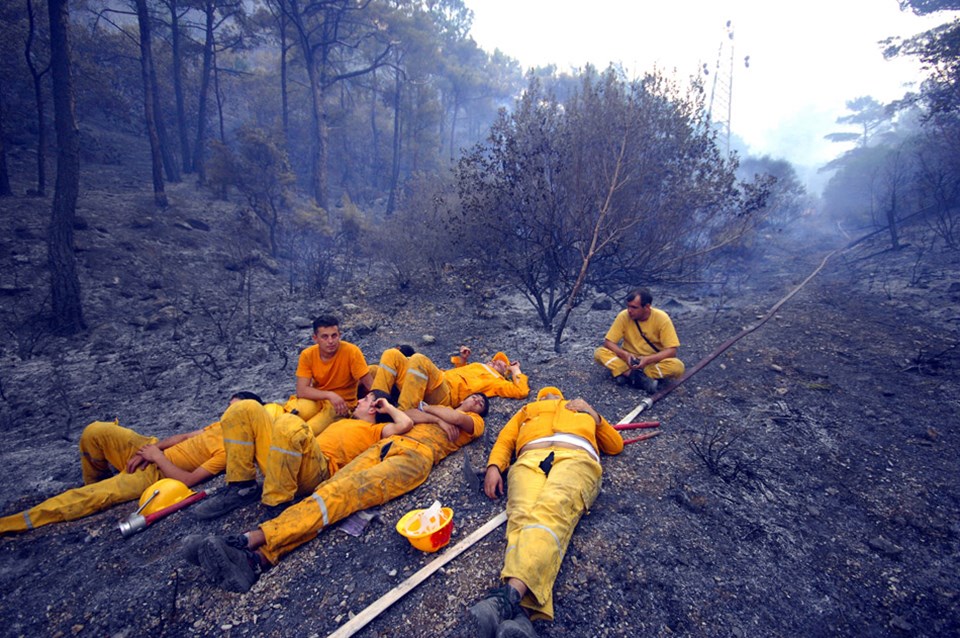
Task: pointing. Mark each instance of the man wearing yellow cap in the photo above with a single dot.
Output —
(419, 380)
(554, 480)
(140, 461)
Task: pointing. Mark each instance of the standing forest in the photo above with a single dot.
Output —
(186, 184)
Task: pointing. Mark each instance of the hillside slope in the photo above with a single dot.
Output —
(804, 483)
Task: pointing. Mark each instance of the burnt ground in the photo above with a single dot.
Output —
(804, 483)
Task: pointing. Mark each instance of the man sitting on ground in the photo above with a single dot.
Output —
(393, 466)
(641, 346)
(419, 380)
(554, 480)
(328, 375)
(292, 460)
(141, 461)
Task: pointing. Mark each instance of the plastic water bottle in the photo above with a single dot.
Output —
(430, 518)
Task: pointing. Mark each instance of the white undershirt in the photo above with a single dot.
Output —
(569, 439)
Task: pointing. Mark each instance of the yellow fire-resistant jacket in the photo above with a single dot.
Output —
(545, 418)
(479, 377)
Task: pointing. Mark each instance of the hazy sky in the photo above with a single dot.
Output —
(806, 58)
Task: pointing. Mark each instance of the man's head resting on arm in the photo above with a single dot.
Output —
(477, 403)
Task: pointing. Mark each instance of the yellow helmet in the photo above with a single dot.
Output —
(163, 493)
(273, 409)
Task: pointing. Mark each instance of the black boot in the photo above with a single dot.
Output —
(502, 603)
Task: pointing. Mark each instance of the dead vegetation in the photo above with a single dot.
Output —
(804, 483)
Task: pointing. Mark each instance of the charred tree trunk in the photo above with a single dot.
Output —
(892, 222)
(178, 87)
(318, 146)
(170, 166)
(283, 80)
(5, 190)
(64, 283)
(201, 143)
(220, 97)
(37, 75)
(395, 164)
(149, 104)
(453, 123)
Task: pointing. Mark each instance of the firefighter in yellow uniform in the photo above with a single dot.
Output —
(293, 461)
(328, 376)
(419, 379)
(641, 346)
(141, 461)
(393, 466)
(555, 479)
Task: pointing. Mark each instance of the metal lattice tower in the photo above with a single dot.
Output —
(720, 108)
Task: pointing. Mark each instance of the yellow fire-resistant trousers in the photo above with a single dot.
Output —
(102, 444)
(317, 414)
(542, 512)
(670, 368)
(285, 450)
(418, 378)
(366, 481)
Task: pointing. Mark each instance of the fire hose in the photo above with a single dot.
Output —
(137, 522)
(378, 606)
(649, 401)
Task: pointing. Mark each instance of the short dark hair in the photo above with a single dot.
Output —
(243, 395)
(326, 321)
(486, 403)
(406, 349)
(646, 297)
(382, 418)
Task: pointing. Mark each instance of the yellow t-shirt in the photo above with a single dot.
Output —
(541, 419)
(340, 374)
(345, 439)
(203, 450)
(658, 328)
(435, 438)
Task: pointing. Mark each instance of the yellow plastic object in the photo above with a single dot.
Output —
(409, 526)
(168, 492)
(273, 409)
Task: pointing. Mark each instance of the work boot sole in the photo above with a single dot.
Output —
(190, 548)
(517, 627)
(226, 566)
(483, 618)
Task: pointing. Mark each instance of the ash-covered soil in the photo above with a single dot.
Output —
(804, 483)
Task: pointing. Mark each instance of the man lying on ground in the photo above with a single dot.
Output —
(293, 461)
(554, 480)
(420, 381)
(141, 461)
(391, 467)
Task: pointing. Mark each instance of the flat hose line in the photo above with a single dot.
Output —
(373, 610)
(649, 401)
